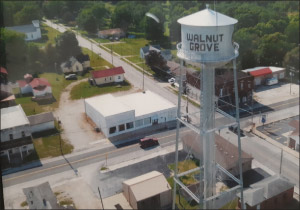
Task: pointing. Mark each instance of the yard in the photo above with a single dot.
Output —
(130, 47)
(58, 83)
(48, 36)
(96, 60)
(85, 90)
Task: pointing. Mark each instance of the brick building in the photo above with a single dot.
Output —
(224, 86)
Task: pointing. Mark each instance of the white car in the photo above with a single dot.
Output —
(172, 80)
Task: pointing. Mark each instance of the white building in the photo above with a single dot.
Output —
(105, 76)
(118, 115)
(71, 66)
(31, 31)
(41, 122)
(15, 132)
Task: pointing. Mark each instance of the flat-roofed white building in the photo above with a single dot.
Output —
(15, 132)
(118, 115)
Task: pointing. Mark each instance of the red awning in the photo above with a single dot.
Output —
(261, 72)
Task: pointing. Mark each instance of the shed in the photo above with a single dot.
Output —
(41, 122)
(147, 191)
(114, 32)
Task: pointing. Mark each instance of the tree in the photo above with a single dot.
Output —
(51, 58)
(122, 16)
(52, 9)
(27, 14)
(292, 30)
(155, 60)
(67, 45)
(292, 58)
(154, 30)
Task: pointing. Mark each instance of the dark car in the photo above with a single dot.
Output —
(71, 77)
(148, 142)
(234, 130)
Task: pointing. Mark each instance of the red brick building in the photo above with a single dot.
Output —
(224, 86)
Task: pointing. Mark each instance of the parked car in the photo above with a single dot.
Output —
(148, 142)
(117, 39)
(234, 130)
(272, 81)
(71, 77)
(172, 80)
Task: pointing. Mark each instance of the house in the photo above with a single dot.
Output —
(115, 32)
(293, 141)
(38, 87)
(41, 122)
(3, 75)
(262, 73)
(148, 191)
(84, 59)
(274, 192)
(71, 66)
(16, 141)
(226, 154)
(7, 98)
(224, 86)
(166, 54)
(41, 197)
(174, 69)
(122, 114)
(105, 76)
(31, 31)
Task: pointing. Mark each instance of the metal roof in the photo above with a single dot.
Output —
(108, 72)
(41, 118)
(12, 117)
(261, 72)
(207, 17)
(148, 185)
(23, 29)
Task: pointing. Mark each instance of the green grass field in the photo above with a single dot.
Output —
(50, 146)
(85, 90)
(96, 60)
(130, 47)
(135, 59)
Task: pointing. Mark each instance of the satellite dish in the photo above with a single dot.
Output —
(148, 14)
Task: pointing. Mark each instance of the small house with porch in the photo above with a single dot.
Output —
(71, 66)
(31, 31)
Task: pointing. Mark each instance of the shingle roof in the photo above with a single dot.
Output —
(69, 63)
(108, 72)
(226, 153)
(41, 118)
(36, 82)
(22, 83)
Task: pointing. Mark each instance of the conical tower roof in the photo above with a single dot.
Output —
(207, 17)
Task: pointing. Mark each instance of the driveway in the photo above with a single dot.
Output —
(75, 127)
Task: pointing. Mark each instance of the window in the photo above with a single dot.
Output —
(242, 85)
(24, 147)
(77, 69)
(32, 36)
(119, 77)
(147, 121)
(249, 85)
(11, 136)
(121, 127)
(139, 123)
(104, 79)
(221, 92)
(110, 78)
(129, 125)
(23, 134)
(10, 151)
(112, 130)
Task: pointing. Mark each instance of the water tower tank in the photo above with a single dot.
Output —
(207, 37)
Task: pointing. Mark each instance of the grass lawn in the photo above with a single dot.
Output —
(50, 146)
(85, 90)
(146, 67)
(135, 59)
(130, 47)
(185, 166)
(30, 107)
(96, 60)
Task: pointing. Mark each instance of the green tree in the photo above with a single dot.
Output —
(292, 30)
(67, 46)
(291, 58)
(122, 16)
(51, 56)
(154, 30)
(52, 9)
(27, 14)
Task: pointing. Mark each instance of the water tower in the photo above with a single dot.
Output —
(207, 40)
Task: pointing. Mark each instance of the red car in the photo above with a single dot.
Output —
(148, 142)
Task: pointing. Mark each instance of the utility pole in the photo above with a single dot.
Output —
(144, 77)
(112, 57)
(280, 166)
